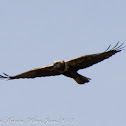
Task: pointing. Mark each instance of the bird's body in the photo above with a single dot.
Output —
(69, 68)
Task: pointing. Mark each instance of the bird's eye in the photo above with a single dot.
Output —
(55, 63)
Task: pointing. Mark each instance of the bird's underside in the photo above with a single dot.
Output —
(69, 68)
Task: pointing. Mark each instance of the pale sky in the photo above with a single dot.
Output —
(34, 33)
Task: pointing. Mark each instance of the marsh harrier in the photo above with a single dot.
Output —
(69, 68)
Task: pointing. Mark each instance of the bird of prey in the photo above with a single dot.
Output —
(69, 68)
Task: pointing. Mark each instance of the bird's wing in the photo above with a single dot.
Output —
(89, 60)
(38, 72)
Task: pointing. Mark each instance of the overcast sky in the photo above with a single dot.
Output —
(34, 33)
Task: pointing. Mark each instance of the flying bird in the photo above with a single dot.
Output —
(69, 68)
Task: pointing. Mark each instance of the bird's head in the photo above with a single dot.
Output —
(59, 65)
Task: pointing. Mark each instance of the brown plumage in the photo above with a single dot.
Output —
(69, 68)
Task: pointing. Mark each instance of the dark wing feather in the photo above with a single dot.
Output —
(89, 60)
(38, 72)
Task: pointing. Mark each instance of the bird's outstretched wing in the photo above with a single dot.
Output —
(89, 60)
(38, 72)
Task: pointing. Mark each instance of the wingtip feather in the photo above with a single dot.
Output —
(4, 76)
(116, 48)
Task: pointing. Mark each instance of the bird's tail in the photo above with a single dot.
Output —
(81, 79)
